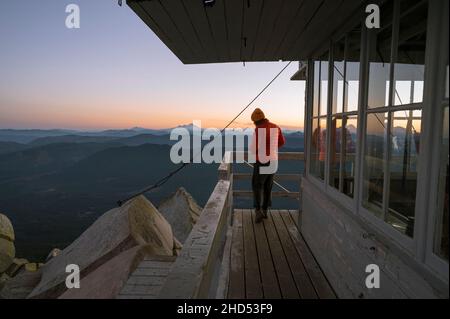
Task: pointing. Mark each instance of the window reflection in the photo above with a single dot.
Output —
(335, 150)
(323, 88)
(349, 156)
(403, 167)
(374, 162)
(343, 152)
(316, 88)
(319, 119)
(318, 147)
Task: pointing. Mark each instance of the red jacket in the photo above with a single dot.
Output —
(266, 124)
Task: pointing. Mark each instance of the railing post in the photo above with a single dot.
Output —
(226, 173)
(225, 168)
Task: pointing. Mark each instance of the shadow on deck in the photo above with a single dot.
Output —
(271, 259)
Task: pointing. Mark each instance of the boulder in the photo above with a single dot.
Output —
(107, 281)
(6, 228)
(135, 223)
(7, 249)
(182, 212)
(7, 254)
(20, 286)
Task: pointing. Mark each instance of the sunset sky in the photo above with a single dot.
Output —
(114, 72)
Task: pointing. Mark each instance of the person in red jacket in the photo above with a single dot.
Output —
(267, 139)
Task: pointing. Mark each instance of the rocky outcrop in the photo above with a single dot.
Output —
(18, 276)
(107, 281)
(182, 212)
(136, 223)
(7, 249)
(20, 286)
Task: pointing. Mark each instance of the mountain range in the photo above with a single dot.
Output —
(55, 183)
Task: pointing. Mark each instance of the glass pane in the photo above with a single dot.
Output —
(338, 77)
(349, 164)
(324, 85)
(335, 150)
(441, 239)
(374, 162)
(352, 71)
(343, 153)
(318, 148)
(403, 167)
(380, 59)
(409, 66)
(316, 88)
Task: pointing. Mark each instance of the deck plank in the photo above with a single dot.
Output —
(285, 279)
(318, 279)
(302, 280)
(294, 215)
(253, 287)
(269, 278)
(236, 286)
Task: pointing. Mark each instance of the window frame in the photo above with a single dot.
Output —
(434, 92)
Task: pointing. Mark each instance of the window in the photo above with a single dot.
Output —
(392, 137)
(344, 120)
(318, 152)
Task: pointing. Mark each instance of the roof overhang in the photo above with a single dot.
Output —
(301, 73)
(247, 30)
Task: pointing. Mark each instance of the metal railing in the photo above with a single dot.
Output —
(226, 173)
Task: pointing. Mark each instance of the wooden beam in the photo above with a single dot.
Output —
(253, 286)
(236, 288)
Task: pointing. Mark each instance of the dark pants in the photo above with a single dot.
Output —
(262, 187)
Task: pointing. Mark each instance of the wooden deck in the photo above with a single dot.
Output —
(271, 260)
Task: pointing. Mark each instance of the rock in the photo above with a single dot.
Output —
(20, 286)
(6, 228)
(7, 249)
(16, 266)
(53, 253)
(182, 212)
(137, 222)
(7, 254)
(107, 281)
(3, 279)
